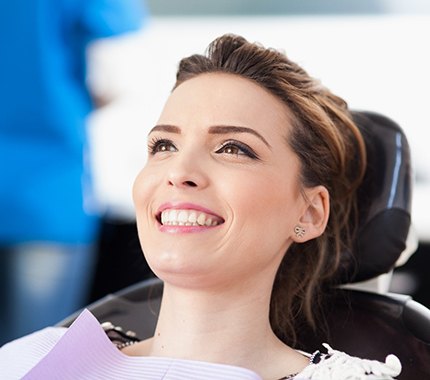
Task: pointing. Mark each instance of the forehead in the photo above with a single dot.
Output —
(220, 98)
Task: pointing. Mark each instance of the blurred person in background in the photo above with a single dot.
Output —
(49, 219)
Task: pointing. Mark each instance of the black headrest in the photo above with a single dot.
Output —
(384, 200)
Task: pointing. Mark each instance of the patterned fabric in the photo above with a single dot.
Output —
(118, 336)
(337, 365)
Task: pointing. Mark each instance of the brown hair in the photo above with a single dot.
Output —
(332, 153)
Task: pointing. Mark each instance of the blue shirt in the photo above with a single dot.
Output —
(45, 185)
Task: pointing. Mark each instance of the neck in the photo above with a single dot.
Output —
(229, 327)
(190, 319)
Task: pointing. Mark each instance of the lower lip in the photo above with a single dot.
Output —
(185, 229)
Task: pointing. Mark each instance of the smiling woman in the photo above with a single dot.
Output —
(204, 167)
(243, 210)
(304, 133)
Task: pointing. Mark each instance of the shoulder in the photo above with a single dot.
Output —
(337, 365)
(20, 355)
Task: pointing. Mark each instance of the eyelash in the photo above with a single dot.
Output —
(155, 144)
(247, 151)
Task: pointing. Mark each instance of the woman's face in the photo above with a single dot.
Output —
(220, 194)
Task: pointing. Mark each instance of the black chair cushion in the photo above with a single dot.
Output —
(384, 200)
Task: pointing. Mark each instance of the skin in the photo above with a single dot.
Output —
(218, 279)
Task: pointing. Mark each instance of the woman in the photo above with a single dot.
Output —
(243, 210)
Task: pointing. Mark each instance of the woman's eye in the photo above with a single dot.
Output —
(238, 149)
(232, 150)
(160, 146)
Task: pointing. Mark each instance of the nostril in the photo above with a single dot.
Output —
(190, 183)
(180, 182)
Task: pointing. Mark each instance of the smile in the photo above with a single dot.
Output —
(174, 217)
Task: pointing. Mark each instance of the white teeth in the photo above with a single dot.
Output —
(182, 217)
(172, 215)
(192, 217)
(164, 218)
(187, 218)
(201, 219)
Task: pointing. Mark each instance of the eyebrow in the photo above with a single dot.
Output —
(214, 130)
(166, 128)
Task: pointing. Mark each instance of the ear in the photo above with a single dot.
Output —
(314, 218)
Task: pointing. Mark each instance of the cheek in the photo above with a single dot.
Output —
(144, 185)
(266, 209)
(144, 188)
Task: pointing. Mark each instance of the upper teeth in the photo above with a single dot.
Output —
(187, 218)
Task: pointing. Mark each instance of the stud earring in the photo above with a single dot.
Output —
(299, 231)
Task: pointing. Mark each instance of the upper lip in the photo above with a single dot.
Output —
(185, 206)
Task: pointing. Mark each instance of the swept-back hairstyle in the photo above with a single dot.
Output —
(331, 152)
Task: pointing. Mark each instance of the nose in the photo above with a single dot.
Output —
(187, 173)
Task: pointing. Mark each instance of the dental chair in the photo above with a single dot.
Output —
(368, 324)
